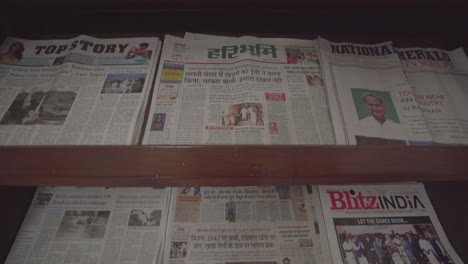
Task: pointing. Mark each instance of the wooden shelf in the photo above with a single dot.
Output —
(229, 165)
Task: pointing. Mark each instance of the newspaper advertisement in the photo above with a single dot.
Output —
(234, 225)
(384, 224)
(244, 90)
(439, 81)
(368, 96)
(92, 225)
(80, 91)
(319, 223)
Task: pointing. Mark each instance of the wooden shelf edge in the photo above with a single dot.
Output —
(229, 165)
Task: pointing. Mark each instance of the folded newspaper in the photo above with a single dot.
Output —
(80, 91)
(93, 225)
(379, 95)
(239, 91)
(267, 225)
(384, 224)
(439, 80)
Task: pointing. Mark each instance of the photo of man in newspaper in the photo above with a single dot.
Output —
(246, 114)
(83, 224)
(377, 115)
(273, 129)
(13, 55)
(144, 217)
(124, 83)
(231, 211)
(395, 240)
(139, 54)
(375, 109)
(159, 121)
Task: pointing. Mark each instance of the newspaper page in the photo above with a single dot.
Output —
(369, 96)
(239, 91)
(439, 80)
(384, 224)
(319, 223)
(80, 91)
(92, 225)
(234, 225)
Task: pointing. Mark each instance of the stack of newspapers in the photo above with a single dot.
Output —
(223, 90)
(233, 225)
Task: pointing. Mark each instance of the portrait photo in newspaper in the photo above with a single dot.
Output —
(159, 121)
(83, 224)
(376, 113)
(139, 54)
(13, 54)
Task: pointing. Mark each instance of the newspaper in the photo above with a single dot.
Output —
(369, 97)
(239, 91)
(84, 90)
(93, 225)
(268, 225)
(439, 80)
(384, 224)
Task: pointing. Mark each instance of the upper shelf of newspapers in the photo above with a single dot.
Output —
(231, 91)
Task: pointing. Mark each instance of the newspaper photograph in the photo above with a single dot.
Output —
(384, 224)
(439, 81)
(368, 96)
(80, 91)
(234, 225)
(243, 90)
(93, 225)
